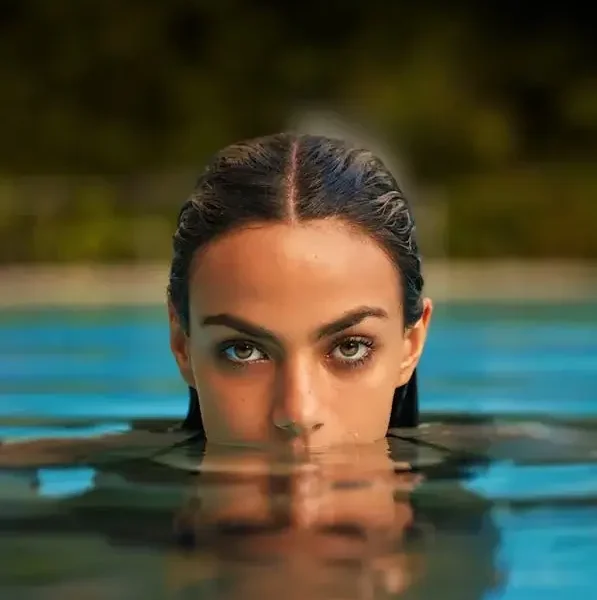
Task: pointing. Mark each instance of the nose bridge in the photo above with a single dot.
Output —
(297, 398)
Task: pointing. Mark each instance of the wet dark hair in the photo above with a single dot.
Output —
(290, 177)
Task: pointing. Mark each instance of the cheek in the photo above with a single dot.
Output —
(363, 398)
(363, 405)
(233, 406)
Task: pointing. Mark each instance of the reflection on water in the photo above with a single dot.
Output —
(450, 510)
(138, 514)
(422, 515)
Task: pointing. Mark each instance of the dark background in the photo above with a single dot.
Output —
(109, 109)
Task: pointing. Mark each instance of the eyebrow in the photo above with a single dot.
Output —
(348, 319)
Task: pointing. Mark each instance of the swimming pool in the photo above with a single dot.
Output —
(79, 373)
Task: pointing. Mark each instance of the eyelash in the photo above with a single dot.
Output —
(368, 343)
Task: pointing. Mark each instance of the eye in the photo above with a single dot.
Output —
(242, 352)
(352, 350)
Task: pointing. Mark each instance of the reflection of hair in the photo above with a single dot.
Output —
(452, 529)
(294, 178)
(455, 533)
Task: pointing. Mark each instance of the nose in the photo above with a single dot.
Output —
(297, 410)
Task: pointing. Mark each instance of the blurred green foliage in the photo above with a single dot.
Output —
(493, 105)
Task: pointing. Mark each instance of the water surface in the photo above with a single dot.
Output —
(496, 497)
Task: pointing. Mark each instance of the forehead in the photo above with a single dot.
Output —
(284, 272)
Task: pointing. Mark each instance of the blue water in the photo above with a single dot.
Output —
(84, 373)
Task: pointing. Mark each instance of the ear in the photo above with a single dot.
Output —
(179, 344)
(414, 339)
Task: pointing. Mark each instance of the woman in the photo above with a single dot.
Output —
(296, 301)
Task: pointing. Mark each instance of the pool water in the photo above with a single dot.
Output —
(105, 501)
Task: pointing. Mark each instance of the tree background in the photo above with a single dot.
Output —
(109, 109)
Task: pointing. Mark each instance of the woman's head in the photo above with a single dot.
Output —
(295, 293)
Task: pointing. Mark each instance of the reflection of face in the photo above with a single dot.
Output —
(299, 324)
(332, 525)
